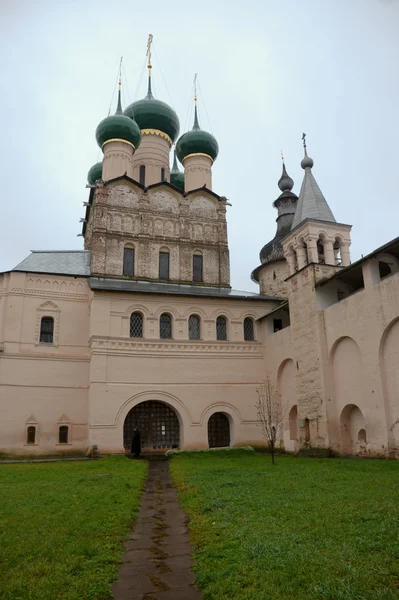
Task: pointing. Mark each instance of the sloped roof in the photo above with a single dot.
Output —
(311, 203)
(58, 262)
(154, 287)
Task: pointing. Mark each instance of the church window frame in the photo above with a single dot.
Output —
(164, 264)
(31, 435)
(47, 309)
(249, 329)
(46, 330)
(165, 326)
(194, 327)
(142, 174)
(128, 262)
(163, 174)
(136, 325)
(221, 328)
(198, 267)
(63, 434)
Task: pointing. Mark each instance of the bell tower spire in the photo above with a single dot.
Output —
(315, 236)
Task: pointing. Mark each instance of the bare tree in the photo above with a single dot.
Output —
(270, 413)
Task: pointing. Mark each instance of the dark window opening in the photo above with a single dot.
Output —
(47, 330)
(384, 269)
(221, 328)
(340, 295)
(277, 324)
(136, 325)
(142, 174)
(162, 174)
(194, 328)
(197, 267)
(249, 335)
(164, 265)
(31, 435)
(165, 326)
(63, 434)
(320, 252)
(128, 262)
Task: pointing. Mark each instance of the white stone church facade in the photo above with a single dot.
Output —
(142, 327)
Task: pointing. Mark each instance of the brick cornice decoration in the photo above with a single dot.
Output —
(178, 348)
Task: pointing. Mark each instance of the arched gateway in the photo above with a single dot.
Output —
(158, 424)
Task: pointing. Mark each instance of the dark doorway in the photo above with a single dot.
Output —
(218, 431)
(158, 423)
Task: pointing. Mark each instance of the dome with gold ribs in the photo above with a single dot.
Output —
(118, 127)
(197, 141)
(152, 114)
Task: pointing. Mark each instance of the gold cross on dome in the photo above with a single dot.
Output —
(149, 42)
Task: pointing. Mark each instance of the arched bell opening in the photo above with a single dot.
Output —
(158, 424)
(219, 430)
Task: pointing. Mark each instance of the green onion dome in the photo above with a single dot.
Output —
(197, 141)
(176, 176)
(150, 113)
(95, 173)
(118, 127)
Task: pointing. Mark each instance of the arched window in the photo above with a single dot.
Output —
(128, 262)
(197, 267)
(165, 326)
(321, 257)
(249, 334)
(63, 434)
(142, 174)
(221, 328)
(46, 330)
(194, 328)
(31, 434)
(136, 325)
(162, 174)
(337, 252)
(164, 265)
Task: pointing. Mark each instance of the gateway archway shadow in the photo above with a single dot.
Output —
(158, 424)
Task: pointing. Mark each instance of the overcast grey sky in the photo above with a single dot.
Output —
(268, 71)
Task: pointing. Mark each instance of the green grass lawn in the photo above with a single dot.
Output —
(61, 526)
(305, 529)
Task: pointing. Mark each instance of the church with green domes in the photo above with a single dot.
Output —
(142, 328)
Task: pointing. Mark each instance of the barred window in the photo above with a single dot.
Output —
(31, 434)
(165, 326)
(142, 174)
(162, 174)
(249, 329)
(164, 265)
(197, 267)
(194, 328)
(221, 328)
(128, 262)
(46, 330)
(63, 434)
(136, 325)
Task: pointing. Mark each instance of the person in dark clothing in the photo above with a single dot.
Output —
(136, 443)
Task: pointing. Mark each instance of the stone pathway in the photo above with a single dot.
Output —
(157, 559)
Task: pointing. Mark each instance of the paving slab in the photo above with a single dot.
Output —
(157, 563)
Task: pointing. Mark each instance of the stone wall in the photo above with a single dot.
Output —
(159, 218)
